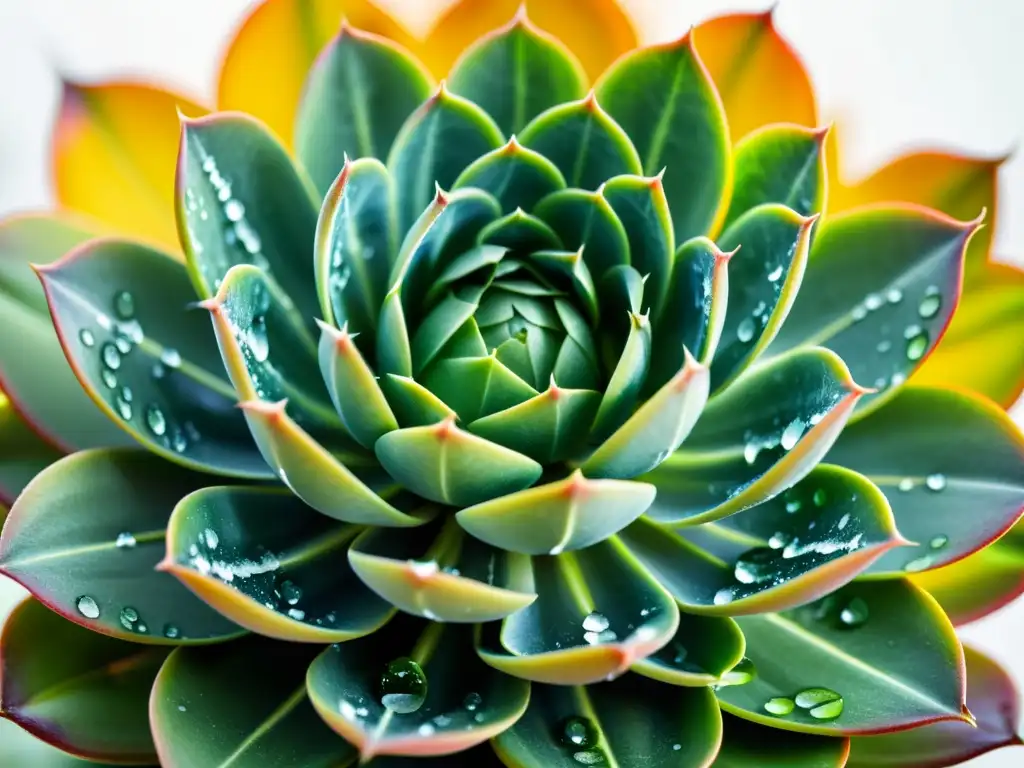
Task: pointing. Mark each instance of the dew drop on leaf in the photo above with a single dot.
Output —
(872, 302)
(775, 274)
(86, 337)
(828, 711)
(792, 433)
(171, 632)
(124, 540)
(472, 701)
(935, 482)
(854, 613)
(929, 306)
(109, 379)
(124, 305)
(290, 592)
(741, 674)
(88, 607)
(595, 622)
(894, 295)
(156, 421)
(129, 616)
(918, 564)
(938, 542)
(814, 697)
(779, 706)
(171, 358)
(578, 732)
(745, 330)
(589, 757)
(917, 343)
(403, 686)
(111, 357)
(905, 484)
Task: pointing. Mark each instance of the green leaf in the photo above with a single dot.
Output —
(586, 144)
(239, 200)
(355, 244)
(19, 747)
(664, 99)
(271, 564)
(434, 146)
(324, 479)
(656, 429)
(749, 745)
(570, 267)
(356, 98)
(901, 668)
(562, 516)
(784, 552)
(703, 651)
(694, 311)
(629, 722)
(449, 465)
(597, 612)
(146, 356)
(517, 177)
(414, 405)
(779, 163)
(764, 277)
(757, 438)
(34, 372)
(993, 701)
(881, 286)
(476, 387)
(91, 702)
(587, 222)
(517, 72)
(85, 536)
(952, 467)
(209, 708)
(23, 454)
(464, 703)
(353, 387)
(623, 390)
(441, 574)
(519, 231)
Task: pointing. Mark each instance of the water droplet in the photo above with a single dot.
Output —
(257, 341)
(828, 711)
(779, 706)
(210, 538)
(755, 565)
(472, 701)
(426, 730)
(88, 607)
(854, 613)
(182, 708)
(128, 617)
(590, 757)
(124, 305)
(792, 433)
(938, 542)
(124, 408)
(897, 378)
(935, 482)
(872, 302)
(917, 342)
(858, 313)
(111, 357)
(578, 732)
(171, 358)
(155, 421)
(741, 674)
(884, 346)
(922, 563)
(109, 379)
(403, 686)
(820, 497)
(894, 295)
(171, 632)
(290, 592)
(775, 274)
(745, 330)
(793, 505)
(127, 395)
(929, 306)
(125, 540)
(234, 210)
(779, 539)
(906, 484)
(813, 697)
(296, 614)
(595, 622)
(86, 337)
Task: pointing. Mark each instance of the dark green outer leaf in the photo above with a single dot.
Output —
(61, 542)
(48, 394)
(664, 99)
(703, 650)
(23, 454)
(749, 745)
(90, 702)
(517, 177)
(586, 220)
(18, 747)
(146, 356)
(517, 72)
(356, 98)
(241, 705)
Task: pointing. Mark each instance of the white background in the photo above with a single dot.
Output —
(898, 73)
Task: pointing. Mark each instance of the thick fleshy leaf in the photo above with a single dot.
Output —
(439, 574)
(91, 702)
(585, 220)
(627, 379)
(271, 564)
(952, 466)
(597, 612)
(446, 464)
(900, 667)
(629, 722)
(355, 99)
(759, 77)
(413, 689)
(519, 231)
(517, 72)
(562, 516)
(47, 393)
(85, 536)
(240, 200)
(413, 404)
(880, 288)
(657, 428)
(980, 350)
(476, 387)
(19, 747)
(703, 651)
(209, 708)
(113, 154)
(749, 745)
(517, 177)
(678, 125)
(764, 278)
(795, 548)
(597, 31)
(270, 87)
(146, 356)
(356, 241)
(995, 705)
(780, 164)
(982, 583)
(421, 160)
(757, 438)
(583, 140)
(23, 454)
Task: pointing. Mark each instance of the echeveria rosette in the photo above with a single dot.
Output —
(550, 378)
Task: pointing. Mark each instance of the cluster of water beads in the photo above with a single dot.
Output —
(580, 736)
(128, 617)
(596, 629)
(926, 561)
(916, 338)
(786, 439)
(820, 703)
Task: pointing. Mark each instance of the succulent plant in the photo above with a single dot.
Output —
(533, 417)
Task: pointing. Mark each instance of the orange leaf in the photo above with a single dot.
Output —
(114, 151)
(266, 64)
(759, 76)
(597, 31)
